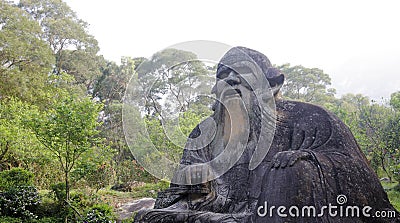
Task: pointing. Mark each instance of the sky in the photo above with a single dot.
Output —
(356, 42)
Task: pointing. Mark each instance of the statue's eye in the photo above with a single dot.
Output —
(224, 74)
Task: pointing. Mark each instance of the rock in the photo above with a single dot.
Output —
(126, 210)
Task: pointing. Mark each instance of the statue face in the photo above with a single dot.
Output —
(236, 82)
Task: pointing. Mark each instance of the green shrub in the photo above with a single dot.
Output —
(59, 192)
(5, 219)
(131, 219)
(81, 200)
(50, 220)
(130, 171)
(46, 220)
(15, 177)
(96, 176)
(19, 201)
(100, 213)
(49, 208)
(394, 197)
(397, 187)
(149, 189)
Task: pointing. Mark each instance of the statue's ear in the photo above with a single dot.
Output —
(276, 83)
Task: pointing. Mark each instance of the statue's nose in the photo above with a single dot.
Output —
(233, 78)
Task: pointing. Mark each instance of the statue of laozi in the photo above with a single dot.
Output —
(268, 159)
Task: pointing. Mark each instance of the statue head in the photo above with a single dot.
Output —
(241, 71)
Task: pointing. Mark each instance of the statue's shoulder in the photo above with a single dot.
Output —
(302, 113)
(302, 109)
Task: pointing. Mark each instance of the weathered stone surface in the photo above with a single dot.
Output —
(313, 161)
(126, 210)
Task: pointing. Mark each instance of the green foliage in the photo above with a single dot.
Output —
(25, 59)
(128, 171)
(73, 47)
(395, 101)
(128, 220)
(47, 220)
(100, 213)
(6, 219)
(17, 143)
(68, 131)
(83, 200)
(394, 197)
(306, 84)
(171, 80)
(111, 85)
(19, 202)
(58, 191)
(149, 189)
(48, 207)
(97, 176)
(15, 177)
(169, 138)
(376, 128)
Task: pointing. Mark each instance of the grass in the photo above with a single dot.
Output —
(394, 197)
(116, 198)
(393, 193)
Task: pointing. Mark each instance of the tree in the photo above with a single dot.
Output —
(75, 50)
(374, 127)
(25, 59)
(69, 130)
(306, 84)
(395, 101)
(110, 89)
(110, 86)
(171, 80)
(349, 109)
(393, 134)
(18, 145)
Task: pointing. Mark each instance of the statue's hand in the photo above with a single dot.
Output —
(289, 158)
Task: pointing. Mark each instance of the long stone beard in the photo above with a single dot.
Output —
(224, 128)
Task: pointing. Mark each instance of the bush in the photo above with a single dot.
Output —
(46, 220)
(59, 192)
(42, 220)
(5, 219)
(100, 213)
(130, 171)
(97, 176)
(15, 177)
(397, 187)
(49, 208)
(149, 189)
(81, 200)
(19, 202)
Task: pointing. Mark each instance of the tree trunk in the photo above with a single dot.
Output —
(66, 193)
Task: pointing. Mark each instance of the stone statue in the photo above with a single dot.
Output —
(309, 170)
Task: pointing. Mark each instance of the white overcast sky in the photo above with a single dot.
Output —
(356, 42)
